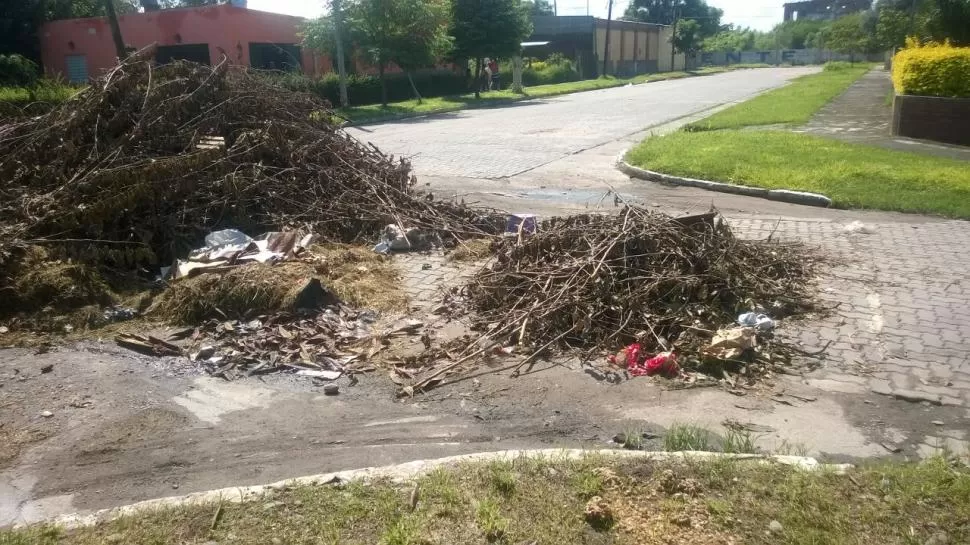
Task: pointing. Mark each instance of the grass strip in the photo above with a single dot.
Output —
(591, 500)
(793, 104)
(853, 175)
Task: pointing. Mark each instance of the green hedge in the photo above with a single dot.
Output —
(366, 89)
(933, 70)
(17, 71)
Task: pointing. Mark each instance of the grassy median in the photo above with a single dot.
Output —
(853, 175)
(793, 104)
(408, 108)
(592, 500)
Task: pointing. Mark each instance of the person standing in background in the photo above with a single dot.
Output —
(486, 84)
(493, 82)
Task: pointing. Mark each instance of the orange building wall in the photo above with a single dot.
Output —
(227, 29)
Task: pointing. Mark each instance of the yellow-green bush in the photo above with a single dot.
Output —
(939, 70)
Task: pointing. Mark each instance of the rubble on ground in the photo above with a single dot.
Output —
(134, 171)
(597, 283)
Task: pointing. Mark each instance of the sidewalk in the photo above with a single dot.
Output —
(863, 115)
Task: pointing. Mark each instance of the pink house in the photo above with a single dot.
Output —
(77, 49)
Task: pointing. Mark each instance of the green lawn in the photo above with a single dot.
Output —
(793, 104)
(49, 93)
(853, 175)
(373, 112)
(595, 500)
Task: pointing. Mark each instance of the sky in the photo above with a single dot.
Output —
(757, 14)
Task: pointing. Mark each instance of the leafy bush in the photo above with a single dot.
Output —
(934, 69)
(556, 69)
(36, 100)
(17, 71)
(365, 89)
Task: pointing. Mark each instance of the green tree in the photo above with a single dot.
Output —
(20, 20)
(687, 38)
(847, 35)
(798, 34)
(539, 7)
(732, 39)
(665, 12)
(892, 27)
(409, 33)
(487, 28)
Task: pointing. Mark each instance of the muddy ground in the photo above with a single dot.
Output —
(124, 427)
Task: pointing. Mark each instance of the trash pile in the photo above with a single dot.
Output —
(133, 172)
(669, 290)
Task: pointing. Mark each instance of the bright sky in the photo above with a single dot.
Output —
(757, 14)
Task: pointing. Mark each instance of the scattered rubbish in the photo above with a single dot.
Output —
(331, 389)
(194, 149)
(4, 329)
(46, 414)
(632, 357)
(148, 345)
(320, 373)
(937, 422)
(119, 314)
(81, 403)
(518, 224)
(595, 282)
(891, 448)
(730, 344)
(396, 239)
(736, 425)
(857, 227)
(775, 527)
(231, 247)
(757, 321)
(47, 368)
(426, 267)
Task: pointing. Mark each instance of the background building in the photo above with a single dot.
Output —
(635, 48)
(77, 49)
(823, 10)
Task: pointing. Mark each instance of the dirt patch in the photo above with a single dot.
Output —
(135, 428)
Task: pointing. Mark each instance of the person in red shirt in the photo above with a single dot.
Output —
(493, 83)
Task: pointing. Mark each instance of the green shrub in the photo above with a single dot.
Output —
(365, 89)
(556, 69)
(838, 66)
(38, 99)
(17, 71)
(938, 70)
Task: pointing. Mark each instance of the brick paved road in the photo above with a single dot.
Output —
(900, 335)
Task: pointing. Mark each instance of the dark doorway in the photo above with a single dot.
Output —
(284, 57)
(185, 52)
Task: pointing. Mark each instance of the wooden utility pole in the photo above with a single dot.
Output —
(606, 46)
(338, 23)
(109, 7)
(673, 36)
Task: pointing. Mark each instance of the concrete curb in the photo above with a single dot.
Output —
(403, 472)
(782, 195)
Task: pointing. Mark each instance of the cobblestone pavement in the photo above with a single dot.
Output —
(898, 338)
(862, 114)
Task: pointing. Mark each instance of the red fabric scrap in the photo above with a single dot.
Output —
(663, 364)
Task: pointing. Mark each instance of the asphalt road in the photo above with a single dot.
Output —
(510, 140)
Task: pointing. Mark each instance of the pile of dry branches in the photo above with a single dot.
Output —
(601, 282)
(136, 169)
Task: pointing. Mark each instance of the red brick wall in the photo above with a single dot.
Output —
(228, 30)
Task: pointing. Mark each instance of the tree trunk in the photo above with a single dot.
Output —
(341, 68)
(109, 7)
(478, 78)
(380, 73)
(414, 88)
